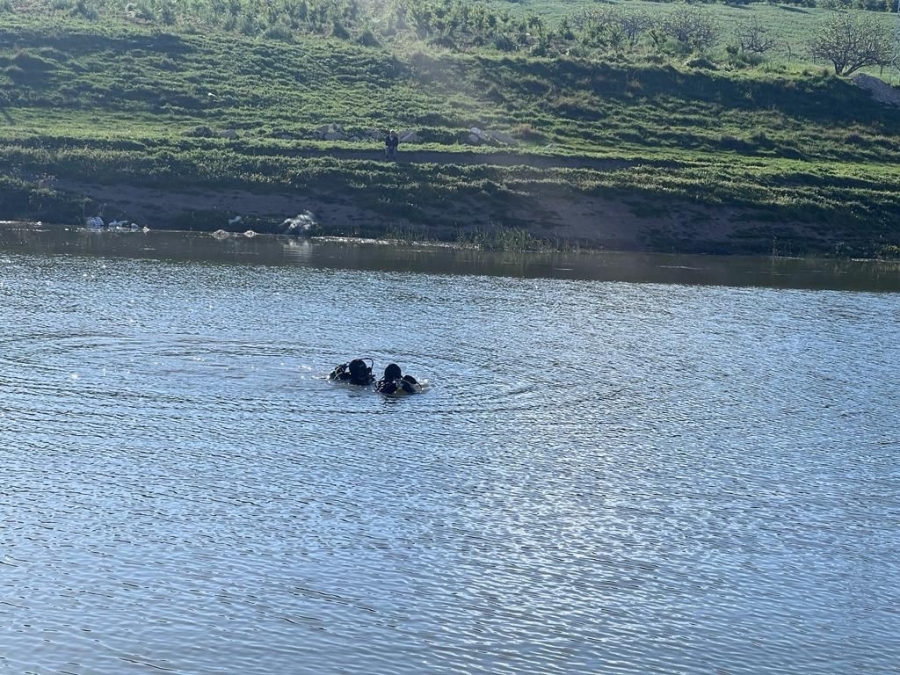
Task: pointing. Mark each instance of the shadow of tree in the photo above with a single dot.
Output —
(78, 44)
(821, 100)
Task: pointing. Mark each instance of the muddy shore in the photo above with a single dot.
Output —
(589, 222)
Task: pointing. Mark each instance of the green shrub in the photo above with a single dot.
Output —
(367, 39)
(339, 30)
(28, 62)
(281, 32)
(85, 10)
(700, 62)
(528, 133)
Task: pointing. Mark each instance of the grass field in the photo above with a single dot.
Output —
(109, 93)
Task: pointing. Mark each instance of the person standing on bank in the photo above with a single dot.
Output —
(391, 141)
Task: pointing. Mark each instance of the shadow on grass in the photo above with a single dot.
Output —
(78, 44)
(581, 85)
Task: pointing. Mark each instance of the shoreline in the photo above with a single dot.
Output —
(406, 255)
(545, 217)
(163, 126)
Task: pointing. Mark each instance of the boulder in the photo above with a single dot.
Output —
(330, 132)
(881, 91)
(502, 138)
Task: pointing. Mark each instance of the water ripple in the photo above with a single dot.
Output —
(600, 477)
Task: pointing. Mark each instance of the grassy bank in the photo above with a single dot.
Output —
(636, 150)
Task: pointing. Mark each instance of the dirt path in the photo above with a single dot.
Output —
(470, 158)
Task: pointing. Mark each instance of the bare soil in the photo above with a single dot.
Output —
(549, 212)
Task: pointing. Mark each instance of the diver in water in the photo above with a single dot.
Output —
(394, 382)
(355, 372)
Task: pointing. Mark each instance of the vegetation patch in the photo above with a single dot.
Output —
(520, 121)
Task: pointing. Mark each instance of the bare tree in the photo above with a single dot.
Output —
(852, 40)
(691, 27)
(753, 37)
(613, 26)
(633, 23)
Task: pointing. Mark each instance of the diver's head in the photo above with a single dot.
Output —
(392, 372)
(358, 369)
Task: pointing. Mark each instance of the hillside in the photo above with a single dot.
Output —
(172, 126)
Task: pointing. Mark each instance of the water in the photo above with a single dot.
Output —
(602, 476)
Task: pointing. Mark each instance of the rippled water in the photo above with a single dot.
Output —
(602, 477)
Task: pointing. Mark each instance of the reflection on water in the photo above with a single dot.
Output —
(597, 266)
(603, 476)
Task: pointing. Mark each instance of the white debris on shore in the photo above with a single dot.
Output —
(96, 224)
(301, 224)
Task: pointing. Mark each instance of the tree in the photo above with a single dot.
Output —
(852, 40)
(634, 24)
(753, 37)
(691, 27)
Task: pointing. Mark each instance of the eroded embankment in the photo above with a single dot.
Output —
(546, 207)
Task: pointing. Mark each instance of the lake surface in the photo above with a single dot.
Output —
(621, 464)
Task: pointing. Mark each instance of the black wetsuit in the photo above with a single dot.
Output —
(407, 384)
(390, 145)
(356, 372)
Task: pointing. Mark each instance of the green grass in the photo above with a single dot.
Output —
(790, 24)
(117, 99)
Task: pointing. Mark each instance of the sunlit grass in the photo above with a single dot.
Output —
(173, 106)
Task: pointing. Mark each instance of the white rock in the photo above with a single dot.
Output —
(501, 137)
(302, 223)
